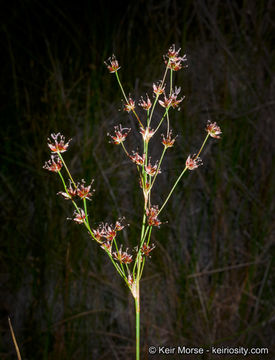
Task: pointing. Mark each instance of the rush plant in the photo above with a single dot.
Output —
(130, 264)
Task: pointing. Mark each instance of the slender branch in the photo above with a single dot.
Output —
(65, 166)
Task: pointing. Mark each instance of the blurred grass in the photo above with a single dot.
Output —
(210, 279)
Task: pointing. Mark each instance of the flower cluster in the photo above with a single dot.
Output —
(146, 249)
(59, 145)
(152, 216)
(146, 105)
(113, 64)
(123, 256)
(106, 233)
(172, 100)
(193, 162)
(152, 170)
(54, 164)
(158, 88)
(130, 105)
(80, 190)
(70, 193)
(79, 216)
(137, 159)
(84, 192)
(146, 133)
(168, 141)
(174, 61)
(213, 130)
(120, 134)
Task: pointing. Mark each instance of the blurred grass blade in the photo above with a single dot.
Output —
(14, 340)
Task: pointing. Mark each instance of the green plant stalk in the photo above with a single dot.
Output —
(137, 306)
(125, 97)
(173, 188)
(181, 175)
(65, 166)
(121, 87)
(166, 113)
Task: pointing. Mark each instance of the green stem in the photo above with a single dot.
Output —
(137, 306)
(121, 88)
(160, 161)
(207, 136)
(173, 188)
(125, 97)
(65, 166)
(171, 81)
(182, 173)
(166, 112)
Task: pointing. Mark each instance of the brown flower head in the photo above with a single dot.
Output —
(146, 105)
(98, 234)
(174, 100)
(146, 249)
(168, 141)
(120, 134)
(119, 224)
(112, 65)
(213, 130)
(166, 103)
(54, 164)
(147, 133)
(59, 144)
(172, 52)
(137, 159)
(107, 246)
(70, 194)
(151, 170)
(84, 191)
(158, 88)
(130, 105)
(123, 256)
(79, 217)
(193, 162)
(152, 216)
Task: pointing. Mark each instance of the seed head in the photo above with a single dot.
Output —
(152, 216)
(172, 52)
(166, 103)
(84, 191)
(80, 216)
(137, 159)
(174, 101)
(193, 162)
(70, 194)
(146, 105)
(146, 133)
(158, 88)
(174, 61)
(213, 130)
(107, 246)
(130, 106)
(120, 134)
(59, 144)
(112, 64)
(146, 249)
(168, 141)
(151, 170)
(54, 164)
(123, 256)
(119, 224)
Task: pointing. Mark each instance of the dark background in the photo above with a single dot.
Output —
(211, 277)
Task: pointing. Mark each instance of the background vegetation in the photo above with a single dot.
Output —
(211, 278)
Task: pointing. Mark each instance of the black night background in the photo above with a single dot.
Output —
(210, 279)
